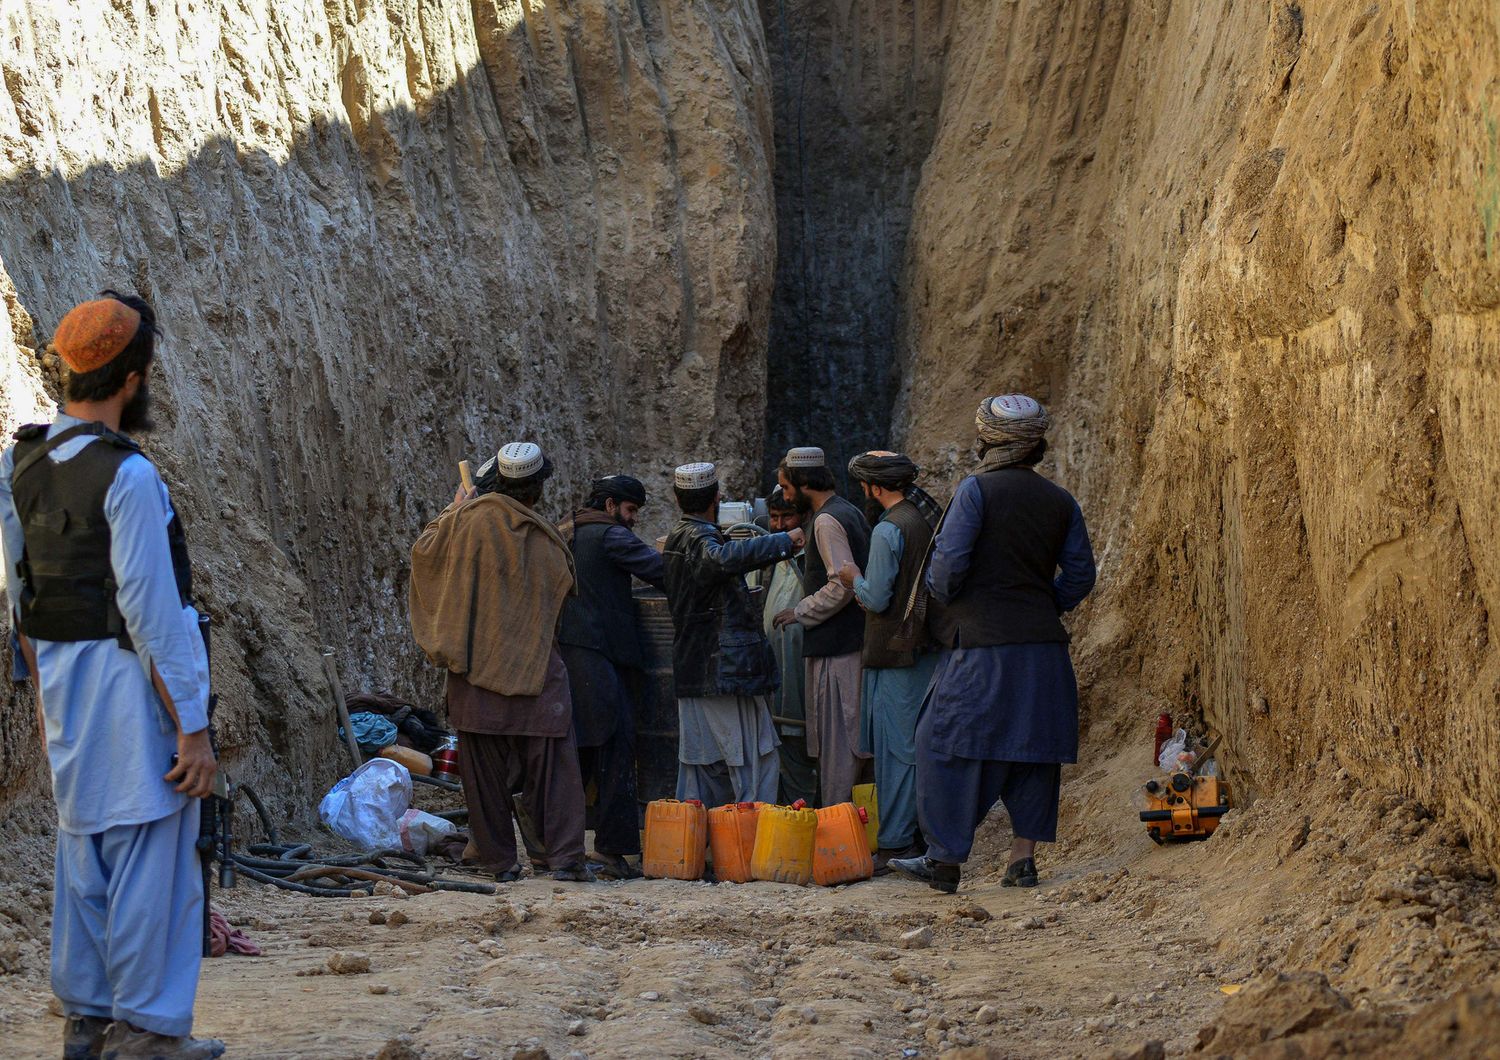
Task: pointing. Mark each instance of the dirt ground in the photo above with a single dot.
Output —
(1348, 921)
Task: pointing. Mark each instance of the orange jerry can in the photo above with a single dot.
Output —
(731, 840)
(676, 834)
(784, 838)
(841, 850)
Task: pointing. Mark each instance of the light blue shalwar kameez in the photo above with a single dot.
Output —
(892, 699)
(128, 902)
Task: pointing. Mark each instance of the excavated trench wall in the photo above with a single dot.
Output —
(1248, 253)
(856, 85)
(384, 235)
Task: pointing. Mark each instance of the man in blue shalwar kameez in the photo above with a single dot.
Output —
(99, 589)
(897, 671)
(1011, 556)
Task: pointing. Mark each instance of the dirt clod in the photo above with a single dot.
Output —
(350, 963)
(916, 939)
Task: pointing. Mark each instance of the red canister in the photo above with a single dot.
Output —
(1163, 734)
(445, 758)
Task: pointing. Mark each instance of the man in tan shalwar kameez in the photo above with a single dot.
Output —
(833, 626)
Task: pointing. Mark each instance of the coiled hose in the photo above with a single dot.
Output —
(295, 867)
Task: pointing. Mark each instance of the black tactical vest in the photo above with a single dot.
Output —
(67, 583)
(845, 631)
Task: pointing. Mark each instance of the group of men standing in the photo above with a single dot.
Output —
(923, 647)
(835, 645)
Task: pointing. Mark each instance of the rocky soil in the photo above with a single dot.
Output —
(1341, 921)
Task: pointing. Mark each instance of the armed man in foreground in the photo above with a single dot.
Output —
(721, 661)
(100, 592)
(489, 577)
(602, 649)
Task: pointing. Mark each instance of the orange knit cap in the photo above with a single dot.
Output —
(94, 333)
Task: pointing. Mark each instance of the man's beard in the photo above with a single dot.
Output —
(628, 524)
(874, 510)
(135, 417)
(803, 503)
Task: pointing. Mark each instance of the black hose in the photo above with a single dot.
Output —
(459, 885)
(272, 862)
(260, 810)
(268, 850)
(302, 888)
(437, 782)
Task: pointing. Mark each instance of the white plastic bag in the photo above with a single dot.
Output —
(419, 829)
(1167, 760)
(366, 806)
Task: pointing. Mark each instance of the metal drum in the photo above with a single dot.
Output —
(656, 724)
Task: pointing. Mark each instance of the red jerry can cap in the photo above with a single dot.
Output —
(694, 802)
(800, 804)
(864, 815)
(745, 805)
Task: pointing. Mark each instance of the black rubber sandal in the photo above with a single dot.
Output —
(1020, 874)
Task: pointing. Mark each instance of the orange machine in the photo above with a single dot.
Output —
(1184, 806)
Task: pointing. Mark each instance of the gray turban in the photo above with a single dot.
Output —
(1010, 426)
(892, 471)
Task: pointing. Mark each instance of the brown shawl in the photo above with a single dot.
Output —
(583, 517)
(488, 582)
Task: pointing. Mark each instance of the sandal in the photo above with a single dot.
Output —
(1020, 874)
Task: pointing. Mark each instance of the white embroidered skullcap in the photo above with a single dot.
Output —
(1014, 407)
(806, 456)
(696, 476)
(520, 460)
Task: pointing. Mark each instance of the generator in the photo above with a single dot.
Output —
(1185, 805)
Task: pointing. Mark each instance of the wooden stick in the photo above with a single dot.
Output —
(331, 671)
(465, 475)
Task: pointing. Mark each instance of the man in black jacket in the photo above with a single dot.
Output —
(721, 661)
(601, 647)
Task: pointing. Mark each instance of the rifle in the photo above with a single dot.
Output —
(216, 818)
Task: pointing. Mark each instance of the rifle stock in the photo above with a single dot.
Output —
(216, 815)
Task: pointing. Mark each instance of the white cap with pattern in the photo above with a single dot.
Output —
(520, 460)
(806, 456)
(696, 476)
(1013, 407)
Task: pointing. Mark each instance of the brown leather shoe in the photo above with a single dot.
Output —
(83, 1037)
(124, 1042)
(613, 866)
